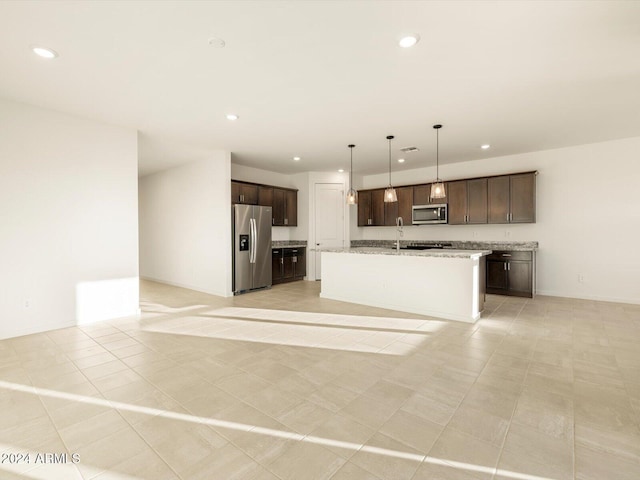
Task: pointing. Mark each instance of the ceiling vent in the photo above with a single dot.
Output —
(409, 149)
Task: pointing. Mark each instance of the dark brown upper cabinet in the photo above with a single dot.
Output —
(422, 195)
(291, 208)
(512, 198)
(283, 201)
(246, 193)
(467, 201)
(265, 196)
(401, 208)
(285, 207)
(371, 208)
(364, 208)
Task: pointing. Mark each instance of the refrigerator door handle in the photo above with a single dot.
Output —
(252, 256)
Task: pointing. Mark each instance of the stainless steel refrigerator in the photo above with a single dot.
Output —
(251, 248)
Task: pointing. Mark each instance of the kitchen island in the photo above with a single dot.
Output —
(440, 283)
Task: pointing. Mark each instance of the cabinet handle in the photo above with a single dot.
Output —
(506, 254)
(505, 265)
(286, 221)
(282, 260)
(508, 266)
(507, 217)
(242, 198)
(273, 221)
(295, 259)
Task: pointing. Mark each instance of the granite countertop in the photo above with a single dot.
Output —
(442, 253)
(288, 244)
(456, 244)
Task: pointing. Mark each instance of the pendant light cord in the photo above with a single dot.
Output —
(390, 162)
(437, 154)
(351, 171)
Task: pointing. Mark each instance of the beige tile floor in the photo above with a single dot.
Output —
(281, 384)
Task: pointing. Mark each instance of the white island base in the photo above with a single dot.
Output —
(443, 284)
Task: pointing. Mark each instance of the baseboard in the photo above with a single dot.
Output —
(597, 298)
(184, 285)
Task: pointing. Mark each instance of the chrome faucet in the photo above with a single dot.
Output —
(399, 232)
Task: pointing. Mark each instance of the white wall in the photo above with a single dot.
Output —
(68, 229)
(588, 216)
(185, 225)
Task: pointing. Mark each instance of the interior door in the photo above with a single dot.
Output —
(329, 219)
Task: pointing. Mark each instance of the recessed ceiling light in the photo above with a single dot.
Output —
(43, 51)
(409, 40)
(297, 159)
(341, 170)
(216, 42)
(401, 160)
(232, 116)
(486, 146)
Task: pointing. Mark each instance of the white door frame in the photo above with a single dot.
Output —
(317, 179)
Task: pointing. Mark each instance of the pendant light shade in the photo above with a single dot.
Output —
(437, 188)
(352, 195)
(390, 192)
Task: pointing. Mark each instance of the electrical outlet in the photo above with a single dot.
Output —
(475, 233)
(580, 278)
(507, 233)
(27, 303)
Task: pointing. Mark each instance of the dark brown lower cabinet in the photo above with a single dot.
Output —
(511, 273)
(288, 265)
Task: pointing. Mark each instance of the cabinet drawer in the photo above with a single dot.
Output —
(510, 255)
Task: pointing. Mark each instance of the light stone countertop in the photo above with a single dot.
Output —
(288, 244)
(442, 253)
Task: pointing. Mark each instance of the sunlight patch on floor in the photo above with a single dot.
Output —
(383, 335)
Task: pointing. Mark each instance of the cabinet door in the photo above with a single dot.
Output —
(265, 196)
(377, 207)
(288, 267)
(276, 266)
(421, 194)
(497, 275)
(301, 268)
(457, 194)
(364, 208)
(523, 198)
(391, 211)
(498, 199)
(299, 263)
(520, 278)
(291, 208)
(477, 200)
(405, 202)
(249, 193)
(278, 206)
(235, 193)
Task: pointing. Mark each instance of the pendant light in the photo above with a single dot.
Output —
(437, 188)
(352, 195)
(390, 192)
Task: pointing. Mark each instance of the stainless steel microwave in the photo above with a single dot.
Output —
(427, 214)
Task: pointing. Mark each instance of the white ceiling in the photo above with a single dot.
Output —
(308, 78)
